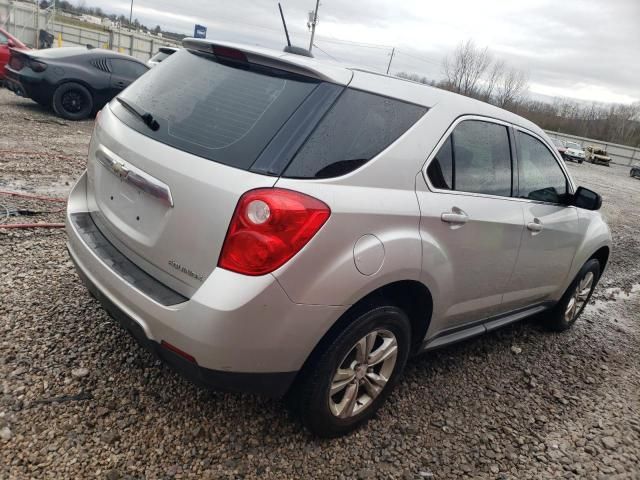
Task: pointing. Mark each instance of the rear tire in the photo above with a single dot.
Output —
(347, 366)
(72, 101)
(575, 299)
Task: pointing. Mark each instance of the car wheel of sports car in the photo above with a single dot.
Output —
(72, 101)
(580, 161)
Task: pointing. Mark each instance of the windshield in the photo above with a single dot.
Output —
(574, 145)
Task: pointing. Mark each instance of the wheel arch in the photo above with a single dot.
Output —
(73, 80)
(602, 255)
(412, 296)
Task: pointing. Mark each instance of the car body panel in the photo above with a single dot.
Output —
(597, 155)
(462, 256)
(68, 64)
(153, 233)
(574, 152)
(5, 49)
(385, 215)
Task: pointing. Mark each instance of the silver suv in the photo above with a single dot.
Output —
(267, 223)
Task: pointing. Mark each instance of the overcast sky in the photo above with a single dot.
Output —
(584, 49)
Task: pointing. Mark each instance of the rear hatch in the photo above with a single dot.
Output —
(168, 163)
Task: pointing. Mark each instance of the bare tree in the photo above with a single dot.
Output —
(491, 84)
(465, 67)
(414, 77)
(511, 88)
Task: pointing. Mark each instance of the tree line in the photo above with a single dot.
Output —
(474, 72)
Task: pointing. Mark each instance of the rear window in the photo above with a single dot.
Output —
(217, 111)
(358, 127)
(263, 119)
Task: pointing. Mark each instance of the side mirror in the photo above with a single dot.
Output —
(587, 199)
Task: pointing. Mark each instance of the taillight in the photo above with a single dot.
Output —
(268, 227)
(16, 62)
(37, 66)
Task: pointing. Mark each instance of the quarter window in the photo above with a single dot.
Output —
(357, 128)
(127, 68)
(540, 176)
(476, 158)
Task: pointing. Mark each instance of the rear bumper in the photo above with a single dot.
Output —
(244, 332)
(14, 86)
(270, 384)
(28, 84)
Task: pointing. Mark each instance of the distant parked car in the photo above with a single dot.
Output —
(560, 146)
(635, 171)
(163, 54)
(598, 155)
(574, 152)
(7, 41)
(76, 82)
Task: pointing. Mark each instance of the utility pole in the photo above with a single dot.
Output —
(131, 14)
(313, 22)
(393, 50)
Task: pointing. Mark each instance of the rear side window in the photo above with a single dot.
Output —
(3, 40)
(541, 178)
(476, 158)
(127, 68)
(222, 112)
(357, 128)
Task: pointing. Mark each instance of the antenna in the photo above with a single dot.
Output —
(284, 24)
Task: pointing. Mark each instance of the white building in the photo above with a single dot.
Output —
(91, 19)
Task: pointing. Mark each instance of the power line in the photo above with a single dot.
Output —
(424, 59)
(326, 53)
(359, 44)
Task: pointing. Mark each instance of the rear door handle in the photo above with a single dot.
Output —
(535, 226)
(454, 217)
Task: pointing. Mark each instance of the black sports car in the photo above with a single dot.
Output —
(76, 82)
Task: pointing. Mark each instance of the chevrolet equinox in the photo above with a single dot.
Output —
(267, 223)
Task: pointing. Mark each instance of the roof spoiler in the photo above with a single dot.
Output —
(268, 58)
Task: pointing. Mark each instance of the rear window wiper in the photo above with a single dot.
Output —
(146, 117)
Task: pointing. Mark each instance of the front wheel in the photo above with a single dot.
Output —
(349, 381)
(575, 299)
(72, 101)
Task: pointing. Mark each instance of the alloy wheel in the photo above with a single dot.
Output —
(363, 373)
(73, 101)
(579, 297)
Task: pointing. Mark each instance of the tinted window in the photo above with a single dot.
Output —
(218, 111)
(440, 169)
(357, 128)
(541, 178)
(481, 159)
(127, 68)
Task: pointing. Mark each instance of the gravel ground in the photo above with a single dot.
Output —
(80, 399)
